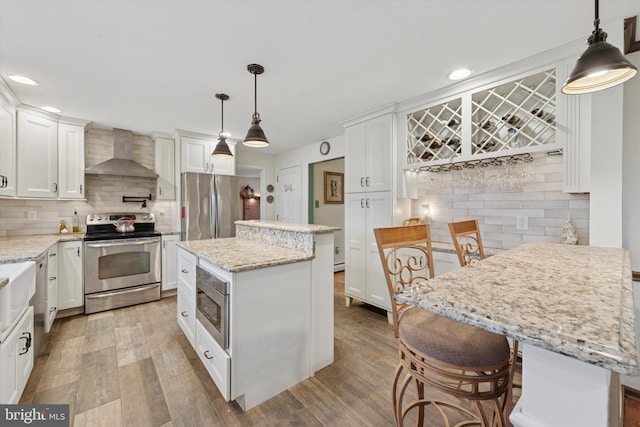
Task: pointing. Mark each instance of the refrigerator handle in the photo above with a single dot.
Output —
(215, 220)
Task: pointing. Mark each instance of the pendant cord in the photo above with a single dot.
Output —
(255, 93)
(222, 119)
(596, 21)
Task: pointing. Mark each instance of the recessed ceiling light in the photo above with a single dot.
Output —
(51, 109)
(459, 74)
(24, 80)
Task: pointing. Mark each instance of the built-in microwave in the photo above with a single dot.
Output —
(212, 305)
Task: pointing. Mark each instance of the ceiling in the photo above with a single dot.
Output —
(156, 65)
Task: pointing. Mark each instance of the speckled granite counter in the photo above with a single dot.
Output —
(572, 300)
(299, 237)
(24, 248)
(449, 248)
(238, 254)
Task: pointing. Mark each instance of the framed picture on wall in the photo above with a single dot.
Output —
(333, 188)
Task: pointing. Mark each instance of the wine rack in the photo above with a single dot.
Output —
(435, 132)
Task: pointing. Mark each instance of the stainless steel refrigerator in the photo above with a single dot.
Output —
(210, 205)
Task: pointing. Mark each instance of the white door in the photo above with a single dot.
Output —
(289, 196)
(70, 291)
(355, 224)
(71, 161)
(378, 212)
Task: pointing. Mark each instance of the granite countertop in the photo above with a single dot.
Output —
(288, 226)
(236, 254)
(449, 248)
(572, 300)
(24, 248)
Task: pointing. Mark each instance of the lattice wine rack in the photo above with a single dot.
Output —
(435, 133)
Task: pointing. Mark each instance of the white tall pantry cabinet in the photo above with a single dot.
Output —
(368, 205)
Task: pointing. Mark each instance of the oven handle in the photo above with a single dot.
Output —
(123, 243)
(120, 291)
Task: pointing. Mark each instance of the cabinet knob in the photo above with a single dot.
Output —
(52, 255)
(160, 190)
(52, 278)
(206, 354)
(362, 203)
(185, 271)
(52, 309)
(368, 181)
(184, 314)
(368, 203)
(362, 181)
(80, 188)
(55, 187)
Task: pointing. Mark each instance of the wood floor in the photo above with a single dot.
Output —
(134, 367)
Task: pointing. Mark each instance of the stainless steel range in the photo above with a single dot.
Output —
(121, 268)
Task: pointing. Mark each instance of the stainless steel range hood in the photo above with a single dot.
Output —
(122, 163)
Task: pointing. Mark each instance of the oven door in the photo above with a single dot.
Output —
(116, 264)
(212, 306)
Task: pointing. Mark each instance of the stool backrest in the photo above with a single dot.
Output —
(467, 240)
(405, 253)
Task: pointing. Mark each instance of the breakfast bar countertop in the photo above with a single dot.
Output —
(572, 300)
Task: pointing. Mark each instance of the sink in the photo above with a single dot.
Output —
(15, 295)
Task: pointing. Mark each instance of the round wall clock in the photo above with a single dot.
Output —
(324, 148)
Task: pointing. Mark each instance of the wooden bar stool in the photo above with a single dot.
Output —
(467, 363)
(468, 242)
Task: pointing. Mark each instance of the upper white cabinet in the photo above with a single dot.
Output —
(37, 156)
(196, 152)
(368, 155)
(7, 148)
(71, 160)
(70, 291)
(511, 116)
(164, 166)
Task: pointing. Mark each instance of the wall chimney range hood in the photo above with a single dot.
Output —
(122, 163)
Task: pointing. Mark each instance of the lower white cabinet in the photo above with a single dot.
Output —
(51, 298)
(215, 359)
(70, 291)
(445, 262)
(169, 261)
(364, 276)
(16, 359)
(186, 284)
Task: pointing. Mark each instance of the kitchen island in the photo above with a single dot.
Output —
(280, 308)
(571, 308)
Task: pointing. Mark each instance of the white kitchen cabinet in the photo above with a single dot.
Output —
(51, 298)
(169, 261)
(364, 276)
(37, 156)
(368, 155)
(7, 148)
(196, 152)
(186, 284)
(16, 359)
(164, 166)
(215, 360)
(70, 161)
(70, 291)
(444, 262)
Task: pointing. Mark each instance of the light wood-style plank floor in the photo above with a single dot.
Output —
(134, 367)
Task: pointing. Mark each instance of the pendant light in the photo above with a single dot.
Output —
(600, 66)
(222, 149)
(255, 136)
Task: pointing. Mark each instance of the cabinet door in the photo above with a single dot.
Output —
(169, 261)
(224, 165)
(51, 306)
(196, 156)
(70, 292)
(37, 156)
(164, 166)
(215, 359)
(355, 173)
(71, 161)
(8, 149)
(355, 241)
(378, 154)
(445, 262)
(378, 214)
(16, 359)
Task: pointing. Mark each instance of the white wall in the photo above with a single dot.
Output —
(329, 213)
(631, 167)
(254, 158)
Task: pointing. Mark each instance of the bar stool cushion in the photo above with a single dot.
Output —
(451, 341)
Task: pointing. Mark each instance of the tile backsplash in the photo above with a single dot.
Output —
(497, 196)
(103, 193)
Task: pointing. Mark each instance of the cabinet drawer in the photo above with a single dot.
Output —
(215, 359)
(186, 271)
(187, 315)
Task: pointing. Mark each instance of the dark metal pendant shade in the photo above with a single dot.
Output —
(222, 148)
(600, 66)
(255, 136)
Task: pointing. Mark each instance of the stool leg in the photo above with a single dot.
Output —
(397, 400)
(420, 389)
